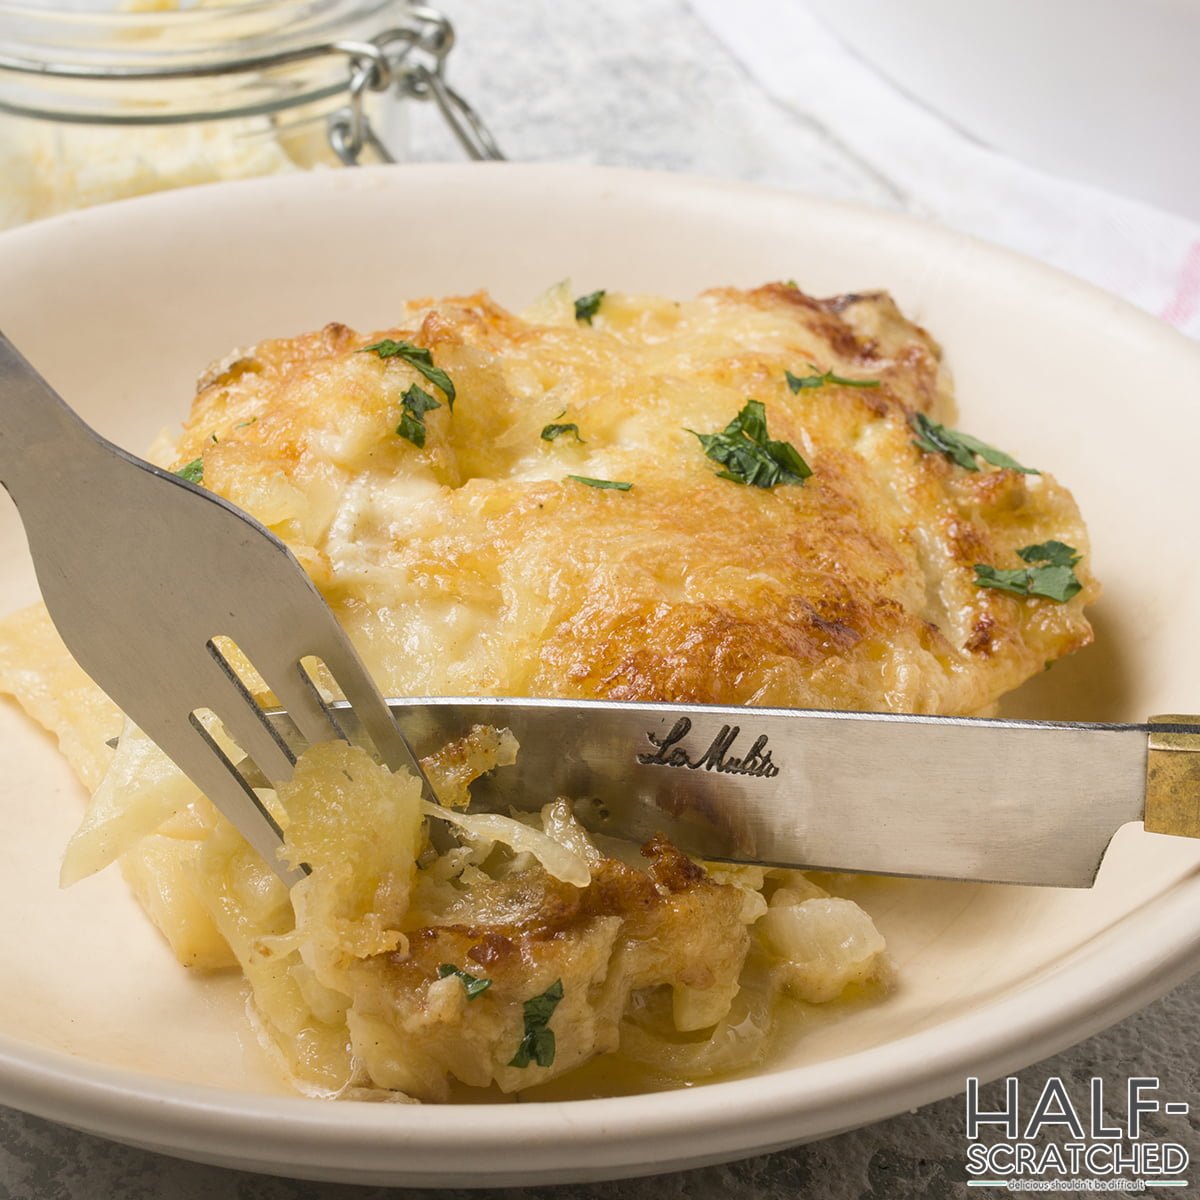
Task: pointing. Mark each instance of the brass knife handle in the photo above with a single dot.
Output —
(1173, 777)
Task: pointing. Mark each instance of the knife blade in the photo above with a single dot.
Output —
(1001, 801)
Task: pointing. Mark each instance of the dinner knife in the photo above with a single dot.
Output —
(1003, 801)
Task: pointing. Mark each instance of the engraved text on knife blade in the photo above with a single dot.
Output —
(668, 752)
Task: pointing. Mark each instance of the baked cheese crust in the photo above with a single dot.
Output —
(473, 565)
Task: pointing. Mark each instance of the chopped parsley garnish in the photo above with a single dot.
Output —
(601, 483)
(749, 455)
(820, 378)
(1052, 576)
(1057, 554)
(417, 402)
(193, 472)
(960, 447)
(246, 424)
(472, 984)
(586, 307)
(550, 432)
(538, 1043)
(420, 359)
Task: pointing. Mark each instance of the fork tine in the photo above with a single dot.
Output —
(372, 711)
(299, 697)
(245, 722)
(202, 760)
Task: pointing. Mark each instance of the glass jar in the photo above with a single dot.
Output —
(107, 100)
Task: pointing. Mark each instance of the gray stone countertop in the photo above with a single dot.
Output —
(643, 83)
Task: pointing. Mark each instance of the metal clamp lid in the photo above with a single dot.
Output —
(411, 59)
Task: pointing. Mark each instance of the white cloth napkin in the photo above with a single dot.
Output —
(1150, 257)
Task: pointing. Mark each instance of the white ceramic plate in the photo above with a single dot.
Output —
(121, 307)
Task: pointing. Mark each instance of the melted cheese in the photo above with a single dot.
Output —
(474, 565)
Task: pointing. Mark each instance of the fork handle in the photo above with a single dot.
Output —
(40, 436)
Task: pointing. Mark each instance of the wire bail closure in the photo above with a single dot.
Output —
(412, 61)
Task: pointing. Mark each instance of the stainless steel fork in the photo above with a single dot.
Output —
(143, 572)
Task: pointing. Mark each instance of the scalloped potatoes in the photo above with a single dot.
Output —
(471, 540)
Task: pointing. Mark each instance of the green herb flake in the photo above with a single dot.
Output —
(1053, 576)
(1057, 554)
(193, 472)
(749, 455)
(417, 402)
(246, 424)
(538, 1043)
(550, 432)
(420, 359)
(960, 447)
(472, 984)
(586, 307)
(601, 483)
(820, 378)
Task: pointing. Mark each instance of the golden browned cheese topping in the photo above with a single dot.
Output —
(474, 564)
